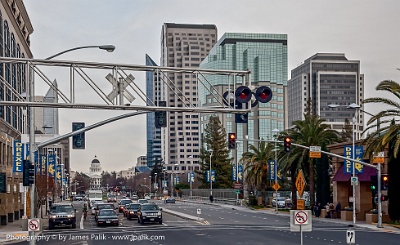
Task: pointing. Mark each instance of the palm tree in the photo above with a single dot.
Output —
(310, 132)
(387, 137)
(256, 166)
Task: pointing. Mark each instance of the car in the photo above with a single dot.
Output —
(122, 203)
(101, 206)
(169, 200)
(93, 207)
(281, 202)
(79, 197)
(107, 217)
(142, 201)
(147, 197)
(62, 214)
(111, 198)
(134, 197)
(149, 212)
(131, 211)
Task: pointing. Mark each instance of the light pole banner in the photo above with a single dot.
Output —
(208, 176)
(348, 164)
(18, 156)
(58, 173)
(271, 170)
(213, 175)
(165, 184)
(178, 180)
(190, 177)
(233, 173)
(240, 173)
(42, 164)
(51, 165)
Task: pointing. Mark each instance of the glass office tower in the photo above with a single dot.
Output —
(265, 55)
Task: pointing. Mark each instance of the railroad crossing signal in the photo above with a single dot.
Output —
(119, 87)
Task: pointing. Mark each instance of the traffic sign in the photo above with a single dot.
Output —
(350, 236)
(276, 186)
(117, 89)
(354, 180)
(300, 218)
(33, 224)
(315, 152)
(379, 158)
(300, 183)
(198, 211)
(237, 185)
(237, 191)
(300, 204)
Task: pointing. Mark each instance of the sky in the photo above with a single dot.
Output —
(365, 30)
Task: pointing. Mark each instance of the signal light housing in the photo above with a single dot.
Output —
(263, 94)
(243, 94)
(385, 182)
(231, 141)
(384, 198)
(287, 142)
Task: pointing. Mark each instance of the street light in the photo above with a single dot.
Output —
(275, 132)
(108, 48)
(211, 195)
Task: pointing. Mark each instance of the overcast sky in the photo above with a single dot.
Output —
(365, 30)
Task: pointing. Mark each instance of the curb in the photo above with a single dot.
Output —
(184, 216)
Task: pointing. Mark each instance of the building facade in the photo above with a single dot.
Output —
(15, 31)
(182, 45)
(326, 79)
(265, 55)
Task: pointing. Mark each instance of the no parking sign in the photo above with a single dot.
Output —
(33, 224)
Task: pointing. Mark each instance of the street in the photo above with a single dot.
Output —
(217, 225)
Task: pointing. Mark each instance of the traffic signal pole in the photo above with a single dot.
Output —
(377, 167)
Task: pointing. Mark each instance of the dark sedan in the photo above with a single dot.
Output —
(101, 206)
(122, 203)
(170, 200)
(131, 211)
(107, 217)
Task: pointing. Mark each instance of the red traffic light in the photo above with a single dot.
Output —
(243, 94)
(287, 142)
(384, 198)
(263, 94)
(231, 141)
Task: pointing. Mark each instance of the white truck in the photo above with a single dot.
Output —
(94, 196)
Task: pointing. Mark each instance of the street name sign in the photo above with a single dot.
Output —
(315, 152)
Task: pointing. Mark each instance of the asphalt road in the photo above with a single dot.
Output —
(222, 225)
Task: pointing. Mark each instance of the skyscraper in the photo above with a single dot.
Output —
(327, 78)
(265, 55)
(183, 45)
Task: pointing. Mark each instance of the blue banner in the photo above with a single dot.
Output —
(18, 156)
(240, 173)
(213, 175)
(51, 165)
(190, 177)
(208, 176)
(348, 164)
(178, 179)
(58, 173)
(233, 173)
(271, 170)
(27, 152)
(43, 164)
(165, 184)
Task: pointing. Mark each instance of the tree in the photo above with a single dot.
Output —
(256, 166)
(387, 137)
(216, 139)
(311, 131)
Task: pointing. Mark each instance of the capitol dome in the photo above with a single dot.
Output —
(95, 174)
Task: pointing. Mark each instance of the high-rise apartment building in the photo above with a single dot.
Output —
(182, 45)
(265, 55)
(326, 79)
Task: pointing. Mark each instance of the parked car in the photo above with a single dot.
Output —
(131, 211)
(142, 201)
(169, 200)
(122, 203)
(281, 202)
(149, 212)
(111, 198)
(107, 217)
(101, 206)
(62, 214)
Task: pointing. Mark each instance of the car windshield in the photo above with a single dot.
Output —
(149, 207)
(143, 201)
(123, 202)
(134, 206)
(281, 199)
(111, 196)
(107, 206)
(107, 212)
(60, 208)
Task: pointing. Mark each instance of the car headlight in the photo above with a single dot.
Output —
(53, 216)
(131, 212)
(144, 214)
(70, 215)
(159, 213)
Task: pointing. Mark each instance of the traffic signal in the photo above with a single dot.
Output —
(243, 94)
(78, 140)
(231, 141)
(384, 198)
(161, 116)
(263, 94)
(385, 182)
(287, 142)
(28, 174)
(374, 184)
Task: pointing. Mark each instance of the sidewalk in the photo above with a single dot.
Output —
(363, 224)
(12, 232)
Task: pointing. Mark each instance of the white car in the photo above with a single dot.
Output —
(147, 197)
(281, 202)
